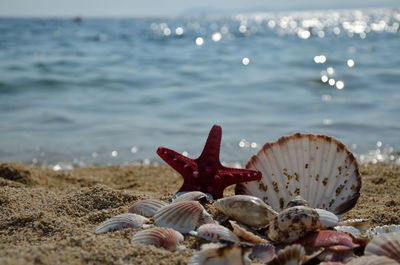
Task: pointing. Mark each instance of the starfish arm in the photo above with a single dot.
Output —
(180, 163)
(230, 176)
(212, 146)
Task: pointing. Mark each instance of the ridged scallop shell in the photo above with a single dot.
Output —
(290, 255)
(356, 232)
(182, 216)
(293, 223)
(372, 260)
(327, 239)
(248, 210)
(215, 233)
(379, 230)
(246, 235)
(265, 252)
(216, 254)
(121, 221)
(160, 237)
(192, 196)
(317, 167)
(147, 207)
(385, 245)
(326, 218)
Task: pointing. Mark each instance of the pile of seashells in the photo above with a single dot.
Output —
(291, 216)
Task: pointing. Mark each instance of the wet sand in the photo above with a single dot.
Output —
(48, 217)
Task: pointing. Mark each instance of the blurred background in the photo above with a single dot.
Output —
(107, 82)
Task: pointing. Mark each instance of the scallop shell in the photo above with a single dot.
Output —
(216, 254)
(121, 221)
(362, 224)
(385, 245)
(293, 223)
(327, 239)
(327, 219)
(317, 167)
(146, 207)
(290, 255)
(356, 232)
(215, 233)
(160, 237)
(192, 196)
(297, 201)
(265, 252)
(379, 230)
(246, 235)
(372, 260)
(182, 216)
(248, 210)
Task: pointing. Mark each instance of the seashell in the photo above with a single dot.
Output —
(191, 196)
(146, 207)
(297, 201)
(362, 224)
(182, 216)
(246, 235)
(265, 252)
(379, 230)
(248, 210)
(160, 237)
(331, 263)
(121, 221)
(326, 239)
(385, 245)
(356, 232)
(317, 167)
(372, 260)
(215, 233)
(293, 223)
(216, 254)
(290, 255)
(327, 219)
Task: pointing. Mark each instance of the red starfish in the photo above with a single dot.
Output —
(206, 173)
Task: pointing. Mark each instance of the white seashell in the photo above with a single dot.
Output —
(160, 237)
(246, 235)
(317, 167)
(248, 210)
(191, 196)
(216, 232)
(216, 254)
(121, 221)
(147, 207)
(385, 245)
(362, 224)
(379, 230)
(182, 216)
(293, 223)
(372, 260)
(356, 232)
(326, 218)
(290, 255)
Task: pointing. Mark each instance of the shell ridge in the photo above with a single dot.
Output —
(337, 180)
(300, 167)
(288, 160)
(278, 183)
(324, 168)
(319, 155)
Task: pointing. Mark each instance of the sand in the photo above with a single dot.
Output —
(48, 217)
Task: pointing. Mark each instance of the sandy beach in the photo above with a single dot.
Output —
(48, 217)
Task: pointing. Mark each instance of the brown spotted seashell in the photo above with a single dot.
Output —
(293, 223)
(217, 254)
(182, 216)
(160, 237)
(319, 168)
(297, 201)
(248, 210)
(385, 245)
(245, 234)
(372, 260)
(147, 207)
(121, 221)
(293, 255)
(215, 233)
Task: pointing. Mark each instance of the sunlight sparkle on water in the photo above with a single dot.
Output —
(350, 62)
(245, 61)
(216, 36)
(179, 31)
(332, 82)
(324, 78)
(199, 41)
(320, 59)
(339, 85)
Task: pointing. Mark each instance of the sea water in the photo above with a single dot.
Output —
(110, 91)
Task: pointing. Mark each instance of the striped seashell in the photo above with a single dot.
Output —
(327, 239)
(385, 245)
(326, 218)
(160, 237)
(317, 167)
(217, 254)
(147, 207)
(246, 235)
(290, 255)
(265, 252)
(192, 196)
(372, 260)
(356, 232)
(248, 210)
(215, 233)
(293, 223)
(121, 221)
(182, 216)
